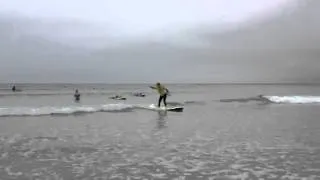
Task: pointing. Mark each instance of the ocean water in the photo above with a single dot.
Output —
(224, 132)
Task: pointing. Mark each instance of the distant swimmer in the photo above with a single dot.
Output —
(77, 95)
(14, 88)
(163, 92)
(139, 94)
(118, 97)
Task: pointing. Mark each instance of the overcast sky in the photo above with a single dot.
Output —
(167, 40)
(144, 16)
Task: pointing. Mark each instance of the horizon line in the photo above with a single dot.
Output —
(172, 83)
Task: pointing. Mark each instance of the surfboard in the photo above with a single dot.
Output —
(168, 108)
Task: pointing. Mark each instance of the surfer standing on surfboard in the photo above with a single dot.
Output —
(163, 91)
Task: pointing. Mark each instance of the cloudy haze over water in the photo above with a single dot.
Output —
(170, 41)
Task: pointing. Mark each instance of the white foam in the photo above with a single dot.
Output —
(156, 108)
(294, 99)
(64, 110)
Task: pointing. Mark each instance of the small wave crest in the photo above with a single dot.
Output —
(186, 103)
(277, 99)
(194, 103)
(294, 99)
(67, 110)
(259, 98)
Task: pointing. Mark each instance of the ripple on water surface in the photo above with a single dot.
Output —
(156, 158)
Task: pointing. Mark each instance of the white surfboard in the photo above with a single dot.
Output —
(168, 108)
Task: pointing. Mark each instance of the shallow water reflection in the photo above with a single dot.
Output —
(162, 119)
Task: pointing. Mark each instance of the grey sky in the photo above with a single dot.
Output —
(172, 41)
(145, 16)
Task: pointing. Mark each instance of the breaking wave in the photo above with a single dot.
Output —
(72, 110)
(278, 99)
(294, 99)
(66, 110)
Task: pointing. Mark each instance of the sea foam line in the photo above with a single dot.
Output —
(294, 99)
(64, 110)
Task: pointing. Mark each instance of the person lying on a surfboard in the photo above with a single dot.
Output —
(163, 91)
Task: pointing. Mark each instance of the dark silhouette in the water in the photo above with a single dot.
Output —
(259, 98)
(77, 95)
(139, 94)
(14, 88)
(118, 97)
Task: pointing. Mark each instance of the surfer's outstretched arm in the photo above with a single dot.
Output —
(152, 87)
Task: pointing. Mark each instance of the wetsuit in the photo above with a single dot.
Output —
(77, 96)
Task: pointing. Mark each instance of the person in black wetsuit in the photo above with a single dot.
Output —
(77, 95)
(14, 88)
